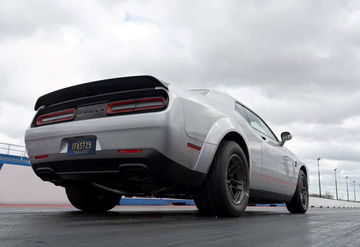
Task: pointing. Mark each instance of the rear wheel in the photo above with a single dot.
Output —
(89, 199)
(226, 189)
(300, 202)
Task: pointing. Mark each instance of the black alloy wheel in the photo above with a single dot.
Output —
(300, 202)
(236, 175)
(304, 194)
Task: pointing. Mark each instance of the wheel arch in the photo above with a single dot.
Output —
(236, 137)
(223, 129)
(304, 169)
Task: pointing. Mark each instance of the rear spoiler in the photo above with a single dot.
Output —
(99, 87)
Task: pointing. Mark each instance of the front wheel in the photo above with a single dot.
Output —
(89, 199)
(300, 202)
(226, 188)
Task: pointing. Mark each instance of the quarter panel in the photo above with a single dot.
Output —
(199, 118)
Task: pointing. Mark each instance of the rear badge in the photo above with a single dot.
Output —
(81, 146)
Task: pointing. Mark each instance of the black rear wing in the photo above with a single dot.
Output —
(99, 87)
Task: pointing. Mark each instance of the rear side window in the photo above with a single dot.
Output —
(258, 124)
(240, 109)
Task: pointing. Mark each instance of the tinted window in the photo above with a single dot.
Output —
(258, 124)
(240, 109)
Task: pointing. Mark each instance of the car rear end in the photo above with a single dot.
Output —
(124, 134)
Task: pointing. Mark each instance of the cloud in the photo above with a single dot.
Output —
(296, 63)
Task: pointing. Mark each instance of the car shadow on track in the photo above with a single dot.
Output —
(148, 214)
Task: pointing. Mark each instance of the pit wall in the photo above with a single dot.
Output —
(316, 202)
(20, 185)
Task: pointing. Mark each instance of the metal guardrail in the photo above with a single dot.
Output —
(12, 149)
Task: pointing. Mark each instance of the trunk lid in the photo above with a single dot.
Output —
(102, 87)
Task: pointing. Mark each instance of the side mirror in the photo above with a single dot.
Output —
(285, 136)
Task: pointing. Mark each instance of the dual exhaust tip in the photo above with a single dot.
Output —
(134, 171)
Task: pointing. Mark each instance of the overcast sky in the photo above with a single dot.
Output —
(296, 63)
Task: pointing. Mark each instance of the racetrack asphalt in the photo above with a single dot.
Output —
(176, 226)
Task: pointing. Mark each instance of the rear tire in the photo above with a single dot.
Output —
(225, 191)
(300, 202)
(89, 199)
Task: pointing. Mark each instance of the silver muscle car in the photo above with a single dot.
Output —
(139, 136)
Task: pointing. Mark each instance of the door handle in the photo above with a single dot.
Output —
(263, 137)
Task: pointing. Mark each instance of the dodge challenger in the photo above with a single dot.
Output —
(140, 136)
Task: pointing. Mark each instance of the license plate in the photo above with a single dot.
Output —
(82, 146)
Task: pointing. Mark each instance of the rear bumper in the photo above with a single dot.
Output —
(150, 166)
(118, 132)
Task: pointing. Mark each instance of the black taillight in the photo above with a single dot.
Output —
(144, 104)
(55, 117)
